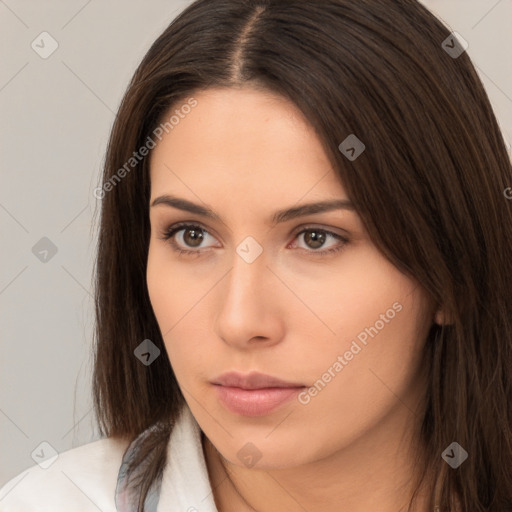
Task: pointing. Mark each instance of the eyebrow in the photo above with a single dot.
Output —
(278, 217)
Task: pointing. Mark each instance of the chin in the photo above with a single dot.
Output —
(266, 452)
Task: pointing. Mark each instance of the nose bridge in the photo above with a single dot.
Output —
(249, 272)
(247, 304)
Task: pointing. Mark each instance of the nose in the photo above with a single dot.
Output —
(249, 305)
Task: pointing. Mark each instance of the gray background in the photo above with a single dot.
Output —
(56, 115)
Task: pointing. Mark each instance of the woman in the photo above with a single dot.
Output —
(303, 277)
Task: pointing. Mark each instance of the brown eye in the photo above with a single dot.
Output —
(187, 240)
(192, 236)
(314, 239)
(181, 236)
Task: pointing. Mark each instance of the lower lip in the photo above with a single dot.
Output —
(255, 402)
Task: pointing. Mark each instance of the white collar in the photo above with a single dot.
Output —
(185, 484)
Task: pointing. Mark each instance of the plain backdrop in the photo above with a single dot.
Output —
(56, 114)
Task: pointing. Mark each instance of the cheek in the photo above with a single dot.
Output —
(167, 292)
(179, 312)
(380, 323)
(376, 389)
(361, 290)
(374, 364)
(171, 293)
(161, 292)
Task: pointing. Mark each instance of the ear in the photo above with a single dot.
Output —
(443, 317)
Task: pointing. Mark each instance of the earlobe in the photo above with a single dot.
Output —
(443, 318)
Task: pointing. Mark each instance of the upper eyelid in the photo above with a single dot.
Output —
(179, 226)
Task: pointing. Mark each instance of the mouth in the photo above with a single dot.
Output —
(254, 394)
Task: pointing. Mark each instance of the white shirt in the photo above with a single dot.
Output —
(84, 479)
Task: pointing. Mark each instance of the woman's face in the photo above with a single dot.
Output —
(306, 298)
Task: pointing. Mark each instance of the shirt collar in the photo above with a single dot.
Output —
(184, 484)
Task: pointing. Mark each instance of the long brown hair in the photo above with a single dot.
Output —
(428, 187)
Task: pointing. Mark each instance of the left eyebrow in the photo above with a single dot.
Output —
(278, 217)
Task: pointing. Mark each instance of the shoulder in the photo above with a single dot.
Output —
(84, 477)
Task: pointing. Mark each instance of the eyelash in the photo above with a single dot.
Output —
(169, 233)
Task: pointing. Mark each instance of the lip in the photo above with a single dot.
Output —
(254, 394)
(253, 380)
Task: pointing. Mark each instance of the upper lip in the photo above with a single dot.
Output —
(253, 380)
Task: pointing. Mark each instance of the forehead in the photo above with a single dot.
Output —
(242, 142)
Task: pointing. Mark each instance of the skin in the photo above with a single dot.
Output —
(290, 313)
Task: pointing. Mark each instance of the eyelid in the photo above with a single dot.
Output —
(312, 225)
(177, 226)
